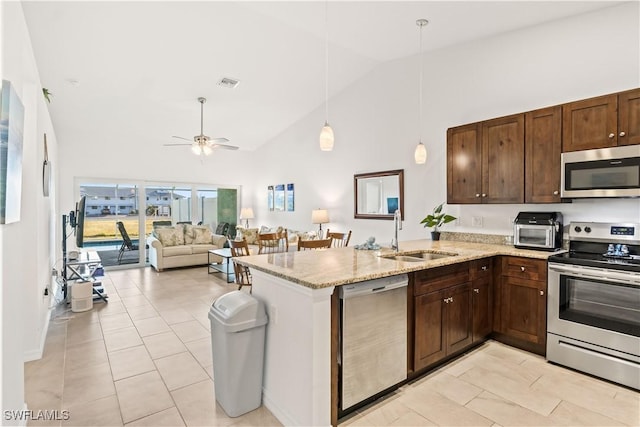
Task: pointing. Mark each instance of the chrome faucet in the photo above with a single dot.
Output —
(397, 225)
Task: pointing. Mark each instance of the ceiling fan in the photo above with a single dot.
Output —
(202, 144)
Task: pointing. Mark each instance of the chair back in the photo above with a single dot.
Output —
(269, 243)
(240, 248)
(339, 239)
(125, 236)
(304, 245)
(222, 229)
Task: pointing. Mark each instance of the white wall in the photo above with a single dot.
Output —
(375, 121)
(27, 245)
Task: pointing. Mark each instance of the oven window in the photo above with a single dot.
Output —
(533, 236)
(601, 304)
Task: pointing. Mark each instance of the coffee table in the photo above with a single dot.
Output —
(225, 267)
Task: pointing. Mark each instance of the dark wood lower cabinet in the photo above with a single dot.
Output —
(482, 303)
(524, 309)
(443, 324)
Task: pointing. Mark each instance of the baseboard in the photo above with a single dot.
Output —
(277, 412)
(37, 353)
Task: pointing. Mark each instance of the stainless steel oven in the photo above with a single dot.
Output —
(604, 172)
(593, 304)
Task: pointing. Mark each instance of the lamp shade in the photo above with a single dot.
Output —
(326, 138)
(420, 155)
(319, 216)
(246, 213)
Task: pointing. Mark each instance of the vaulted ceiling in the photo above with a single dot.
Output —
(131, 71)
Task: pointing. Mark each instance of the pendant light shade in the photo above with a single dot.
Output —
(326, 134)
(326, 138)
(420, 153)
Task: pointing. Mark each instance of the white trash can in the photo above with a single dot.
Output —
(238, 324)
(81, 296)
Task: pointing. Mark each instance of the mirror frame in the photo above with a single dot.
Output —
(397, 172)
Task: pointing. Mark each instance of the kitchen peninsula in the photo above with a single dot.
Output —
(298, 289)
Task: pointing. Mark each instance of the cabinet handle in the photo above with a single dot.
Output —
(555, 193)
(477, 194)
(446, 300)
(622, 134)
(476, 290)
(484, 268)
(484, 195)
(522, 268)
(612, 135)
(541, 292)
(451, 299)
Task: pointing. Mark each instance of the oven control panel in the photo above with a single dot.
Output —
(604, 231)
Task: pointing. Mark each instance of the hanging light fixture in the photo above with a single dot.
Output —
(420, 154)
(326, 134)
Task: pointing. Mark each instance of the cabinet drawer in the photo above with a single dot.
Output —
(434, 279)
(480, 268)
(524, 268)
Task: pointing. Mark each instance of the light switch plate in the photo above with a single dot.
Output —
(476, 221)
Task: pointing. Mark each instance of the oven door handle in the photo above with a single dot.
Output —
(598, 274)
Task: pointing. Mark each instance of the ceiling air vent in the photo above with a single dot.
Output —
(228, 82)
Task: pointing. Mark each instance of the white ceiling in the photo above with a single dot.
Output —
(140, 66)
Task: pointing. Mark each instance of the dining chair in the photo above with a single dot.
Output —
(304, 245)
(269, 243)
(339, 239)
(240, 248)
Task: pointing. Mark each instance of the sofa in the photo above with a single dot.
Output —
(183, 245)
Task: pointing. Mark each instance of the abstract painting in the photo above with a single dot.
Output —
(11, 131)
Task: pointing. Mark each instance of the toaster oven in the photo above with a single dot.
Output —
(538, 230)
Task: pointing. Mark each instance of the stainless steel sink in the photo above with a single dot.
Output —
(419, 256)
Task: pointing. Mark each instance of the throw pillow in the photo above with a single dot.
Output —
(188, 234)
(202, 235)
(239, 232)
(251, 235)
(264, 229)
(170, 236)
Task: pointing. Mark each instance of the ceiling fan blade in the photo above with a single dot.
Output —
(224, 147)
(218, 140)
(179, 137)
(174, 145)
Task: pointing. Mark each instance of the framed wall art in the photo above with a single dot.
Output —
(11, 134)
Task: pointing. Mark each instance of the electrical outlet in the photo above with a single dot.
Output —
(476, 221)
(273, 314)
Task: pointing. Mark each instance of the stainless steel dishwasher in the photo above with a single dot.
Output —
(374, 337)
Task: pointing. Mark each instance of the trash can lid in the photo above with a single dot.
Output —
(238, 310)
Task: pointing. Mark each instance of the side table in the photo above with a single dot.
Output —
(225, 267)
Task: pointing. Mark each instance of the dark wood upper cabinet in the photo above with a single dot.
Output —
(464, 164)
(543, 148)
(605, 121)
(503, 160)
(591, 123)
(629, 117)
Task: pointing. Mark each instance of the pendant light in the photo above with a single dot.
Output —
(420, 154)
(326, 134)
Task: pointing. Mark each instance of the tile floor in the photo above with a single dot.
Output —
(145, 359)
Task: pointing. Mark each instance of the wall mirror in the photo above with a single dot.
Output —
(378, 194)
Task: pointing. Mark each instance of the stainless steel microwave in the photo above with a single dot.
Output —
(604, 172)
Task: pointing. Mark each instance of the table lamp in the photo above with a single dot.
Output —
(246, 214)
(319, 216)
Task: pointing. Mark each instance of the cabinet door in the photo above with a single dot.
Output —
(524, 308)
(482, 299)
(429, 332)
(591, 123)
(629, 117)
(464, 165)
(458, 317)
(543, 147)
(503, 160)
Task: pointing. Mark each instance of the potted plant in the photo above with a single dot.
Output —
(436, 219)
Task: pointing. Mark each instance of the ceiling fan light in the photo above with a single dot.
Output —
(420, 155)
(196, 149)
(207, 150)
(326, 138)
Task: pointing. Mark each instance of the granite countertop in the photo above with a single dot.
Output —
(340, 266)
